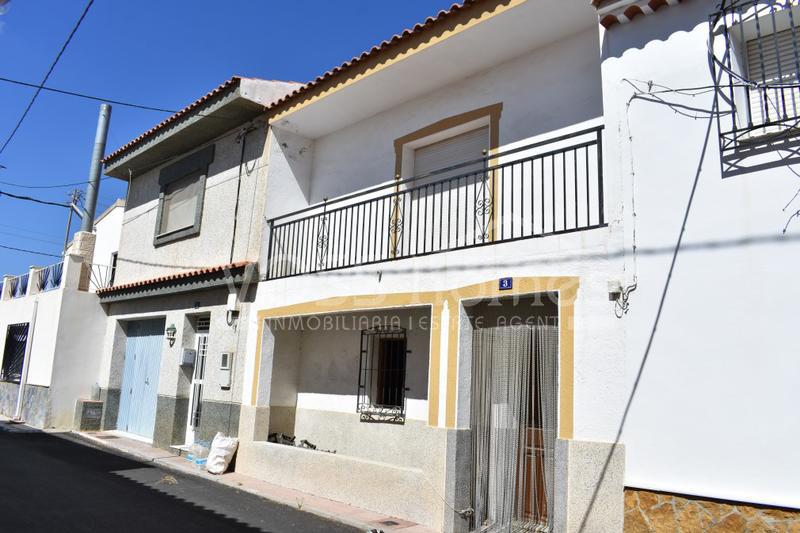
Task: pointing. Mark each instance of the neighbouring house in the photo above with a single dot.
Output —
(472, 298)
(190, 243)
(701, 102)
(49, 318)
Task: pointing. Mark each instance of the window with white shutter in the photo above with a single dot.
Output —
(773, 62)
(452, 151)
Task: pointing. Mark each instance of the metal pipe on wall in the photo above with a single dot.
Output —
(26, 363)
(95, 167)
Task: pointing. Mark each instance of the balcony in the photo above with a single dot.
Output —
(537, 190)
(756, 62)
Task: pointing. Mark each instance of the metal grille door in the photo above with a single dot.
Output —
(14, 353)
(513, 422)
(198, 375)
(137, 409)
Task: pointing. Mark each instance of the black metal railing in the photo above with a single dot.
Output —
(545, 188)
(756, 60)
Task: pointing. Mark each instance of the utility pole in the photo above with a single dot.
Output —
(74, 197)
(95, 167)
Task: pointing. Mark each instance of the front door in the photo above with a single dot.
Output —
(513, 422)
(198, 374)
(137, 406)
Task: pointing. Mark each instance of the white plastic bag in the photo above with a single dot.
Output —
(222, 450)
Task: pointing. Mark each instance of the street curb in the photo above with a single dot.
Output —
(88, 440)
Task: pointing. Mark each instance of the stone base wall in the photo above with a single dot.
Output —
(647, 511)
(35, 405)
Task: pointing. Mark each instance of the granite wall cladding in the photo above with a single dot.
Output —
(219, 416)
(171, 417)
(656, 512)
(110, 399)
(35, 405)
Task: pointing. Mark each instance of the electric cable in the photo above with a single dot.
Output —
(28, 251)
(46, 76)
(87, 96)
(31, 199)
(53, 186)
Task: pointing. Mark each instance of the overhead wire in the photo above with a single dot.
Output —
(46, 76)
(34, 200)
(88, 96)
(28, 251)
(52, 186)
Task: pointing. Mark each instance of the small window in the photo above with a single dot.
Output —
(14, 352)
(113, 273)
(382, 375)
(180, 205)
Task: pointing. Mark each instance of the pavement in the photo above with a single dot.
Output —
(56, 482)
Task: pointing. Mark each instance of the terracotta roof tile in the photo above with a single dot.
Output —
(174, 277)
(629, 12)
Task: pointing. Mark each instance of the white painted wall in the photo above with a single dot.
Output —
(140, 260)
(48, 316)
(545, 93)
(317, 368)
(107, 231)
(542, 91)
(715, 413)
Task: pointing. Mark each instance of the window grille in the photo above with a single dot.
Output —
(756, 60)
(382, 374)
(203, 324)
(14, 352)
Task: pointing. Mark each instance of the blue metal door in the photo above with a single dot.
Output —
(137, 406)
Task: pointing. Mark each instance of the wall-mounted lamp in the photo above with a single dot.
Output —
(171, 331)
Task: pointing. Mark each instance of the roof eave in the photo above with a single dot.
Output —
(202, 124)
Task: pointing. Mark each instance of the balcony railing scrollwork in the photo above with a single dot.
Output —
(540, 189)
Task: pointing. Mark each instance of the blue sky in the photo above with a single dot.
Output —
(158, 53)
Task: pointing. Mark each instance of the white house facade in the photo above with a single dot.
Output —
(474, 297)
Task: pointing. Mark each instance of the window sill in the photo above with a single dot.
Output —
(176, 235)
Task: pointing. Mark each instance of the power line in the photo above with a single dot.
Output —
(46, 76)
(28, 237)
(28, 251)
(88, 96)
(35, 200)
(54, 186)
(26, 230)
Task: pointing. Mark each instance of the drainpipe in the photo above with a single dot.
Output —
(26, 363)
(95, 167)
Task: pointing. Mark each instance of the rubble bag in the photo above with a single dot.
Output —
(222, 450)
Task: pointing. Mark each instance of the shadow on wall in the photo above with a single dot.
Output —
(683, 18)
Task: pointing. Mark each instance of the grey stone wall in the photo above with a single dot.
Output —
(219, 416)
(110, 399)
(35, 405)
(171, 419)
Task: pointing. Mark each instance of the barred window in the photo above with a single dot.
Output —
(14, 352)
(382, 374)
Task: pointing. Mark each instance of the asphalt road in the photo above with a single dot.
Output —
(51, 483)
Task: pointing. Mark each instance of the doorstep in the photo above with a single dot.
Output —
(330, 509)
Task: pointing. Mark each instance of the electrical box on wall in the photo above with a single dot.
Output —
(225, 364)
(188, 356)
